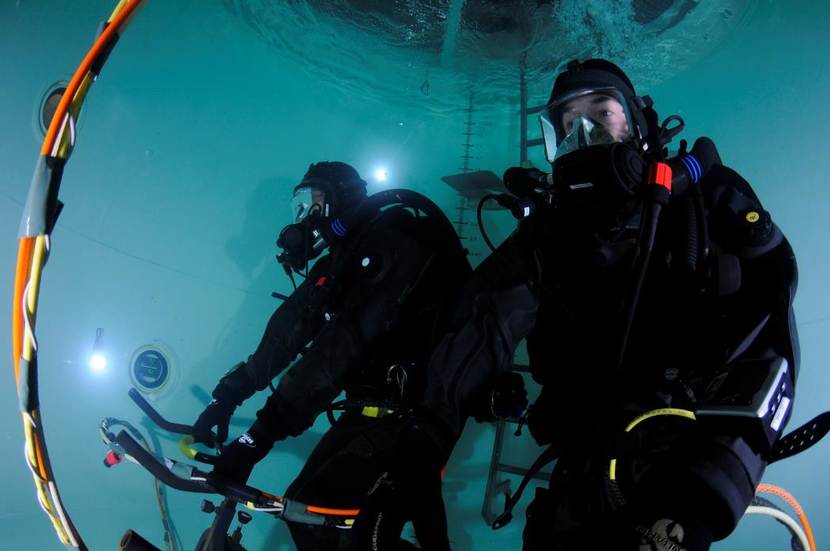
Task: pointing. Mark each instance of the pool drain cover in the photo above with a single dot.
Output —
(48, 105)
(150, 369)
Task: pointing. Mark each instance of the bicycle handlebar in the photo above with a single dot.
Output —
(163, 472)
(188, 478)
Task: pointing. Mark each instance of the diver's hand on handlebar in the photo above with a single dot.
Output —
(236, 460)
(216, 414)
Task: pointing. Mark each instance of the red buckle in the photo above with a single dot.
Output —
(320, 282)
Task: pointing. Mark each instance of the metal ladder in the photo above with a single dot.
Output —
(462, 220)
(526, 143)
(496, 484)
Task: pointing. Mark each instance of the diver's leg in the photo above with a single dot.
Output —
(345, 429)
(683, 490)
(345, 463)
(552, 527)
(558, 516)
(698, 491)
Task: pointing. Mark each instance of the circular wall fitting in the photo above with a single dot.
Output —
(150, 369)
(48, 105)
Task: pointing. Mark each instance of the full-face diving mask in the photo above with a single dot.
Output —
(304, 239)
(320, 208)
(308, 200)
(593, 116)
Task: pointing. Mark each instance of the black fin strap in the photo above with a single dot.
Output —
(801, 438)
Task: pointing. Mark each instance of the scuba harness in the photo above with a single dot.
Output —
(303, 241)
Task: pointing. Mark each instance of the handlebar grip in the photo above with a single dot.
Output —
(156, 416)
(157, 468)
(187, 449)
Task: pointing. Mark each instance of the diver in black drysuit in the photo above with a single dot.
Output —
(365, 320)
(715, 301)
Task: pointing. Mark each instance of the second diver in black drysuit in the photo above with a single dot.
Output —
(656, 297)
(364, 320)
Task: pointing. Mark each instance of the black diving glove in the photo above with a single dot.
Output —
(236, 460)
(217, 414)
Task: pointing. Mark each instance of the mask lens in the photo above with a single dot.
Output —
(305, 201)
(549, 135)
(582, 118)
(584, 132)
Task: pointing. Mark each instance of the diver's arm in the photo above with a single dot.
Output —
(769, 283)
(767, 268)
(496, 311)
(762, 325)
(373, 304)
(290, 328)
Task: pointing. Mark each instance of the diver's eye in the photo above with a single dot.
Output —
(606, 113)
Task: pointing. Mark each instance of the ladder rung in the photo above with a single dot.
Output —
(512, 469)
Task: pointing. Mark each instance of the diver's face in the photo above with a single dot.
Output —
(603, 109)
(307, 201)
(318, 198)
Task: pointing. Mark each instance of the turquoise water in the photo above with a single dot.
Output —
(208, 112)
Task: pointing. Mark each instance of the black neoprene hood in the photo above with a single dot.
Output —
(594, 74)
(340, 180)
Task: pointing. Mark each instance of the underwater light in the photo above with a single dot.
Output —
(98, 361)
(381, 174)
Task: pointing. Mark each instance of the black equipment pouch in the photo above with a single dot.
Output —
(755, 396)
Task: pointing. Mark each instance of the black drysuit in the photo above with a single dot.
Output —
(365, 320)
(552, 282)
